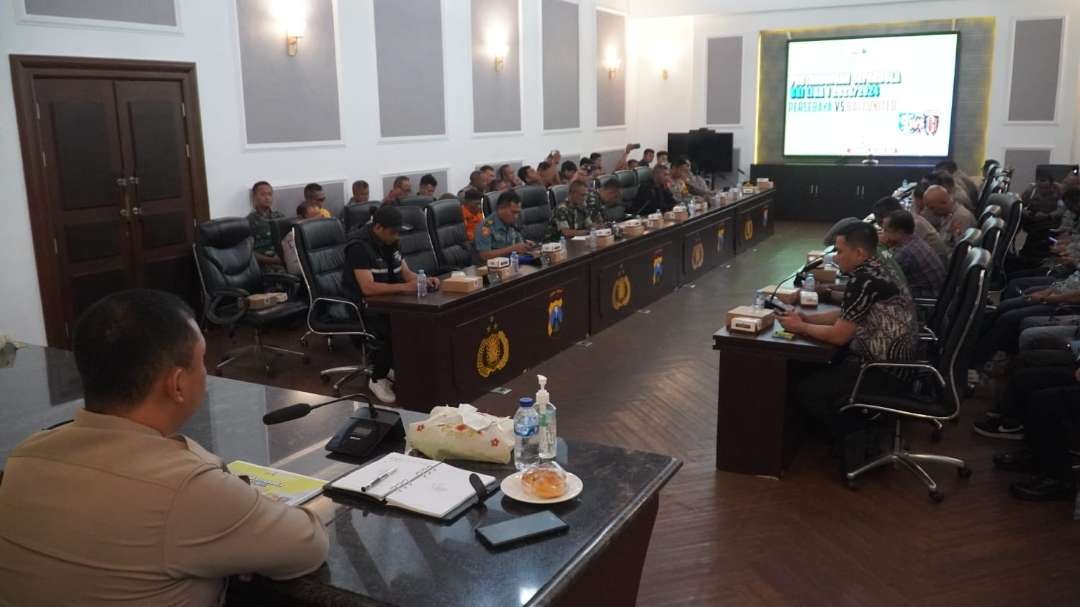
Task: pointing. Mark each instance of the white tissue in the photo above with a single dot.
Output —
(472, 418)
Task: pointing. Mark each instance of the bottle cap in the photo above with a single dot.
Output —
(525, 401)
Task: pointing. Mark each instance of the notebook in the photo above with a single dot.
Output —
(423, 486)
(279, 485)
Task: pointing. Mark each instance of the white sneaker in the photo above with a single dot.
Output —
(382, 390)
(390, 375)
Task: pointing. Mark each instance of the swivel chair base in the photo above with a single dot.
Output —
(349, 373)
(900, 455)
(265, 353)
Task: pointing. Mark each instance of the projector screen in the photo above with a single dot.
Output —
(884, 95)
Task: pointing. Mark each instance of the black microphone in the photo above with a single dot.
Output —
(299, 410)
(772, 303)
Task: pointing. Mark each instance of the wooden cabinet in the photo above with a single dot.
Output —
(821, 192)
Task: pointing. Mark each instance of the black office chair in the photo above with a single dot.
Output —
(602, 180)
(452, 248)
(320, 247)
(559, 194)
(415, 245)
(1012, 211)
(488, 205)
(358, 214)
(644, 175)
(535, 212)
(629, 184)
(416, 201)
(940, 400)
(995, 240)
(991, 210)
(940, 309)
(229, 273)
(278, 229)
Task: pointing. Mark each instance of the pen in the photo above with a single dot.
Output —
(379, 478)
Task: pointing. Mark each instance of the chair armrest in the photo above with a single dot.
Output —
(288, 281)
(224, 297)
(924, 301)
(324, 301)
(922, 365)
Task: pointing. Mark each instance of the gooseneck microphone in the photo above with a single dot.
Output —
(299, 410)
(772, 303)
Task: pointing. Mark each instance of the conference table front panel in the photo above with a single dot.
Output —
(626, 281)
(708, 244)
(753, 223)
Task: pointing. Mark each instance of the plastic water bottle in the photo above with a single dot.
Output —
(759, 300)
(526, 435)
(592, 239)
(808, 283)
(421, 284)
(562, 242)
(514, 262)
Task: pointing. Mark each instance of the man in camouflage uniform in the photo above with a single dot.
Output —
(576, 216)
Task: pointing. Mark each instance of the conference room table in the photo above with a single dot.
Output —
(454, 347)
(383, 556)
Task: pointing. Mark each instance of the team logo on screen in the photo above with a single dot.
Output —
(748, 230)
(697, 255)
(657, 267)
(721, 234)
(915, 123)
(554, 312)
(620, 291)
(494, 350)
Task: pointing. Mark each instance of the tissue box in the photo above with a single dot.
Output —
(765, 315)
(632, 227)
(813, 255)
(655, 221)
(808, 299)
(680, 213)
(604, 238)
(554, 251)
(825, 274)
(260, 301)
(463, 284)
(785, 294)
(462, 432)
(498, 263)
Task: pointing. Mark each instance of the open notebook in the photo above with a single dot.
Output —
(423, 486)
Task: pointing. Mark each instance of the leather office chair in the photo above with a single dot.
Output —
(559, 194)
(535, 212)
(452, 248)
(603, 179)
(995, 240)
(416, 247)
(488, 204)
(278, 229)
(229, 273)
(1012, 211)
(358, 214)
(991, 210)
(940, 308)
(416, 201)
(644, 175)
(320, 246)
(941, 401)
(629, 185)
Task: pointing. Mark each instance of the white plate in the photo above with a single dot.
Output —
(511, 486)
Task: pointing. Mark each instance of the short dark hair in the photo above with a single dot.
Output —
(473, 176)
(430, 180)
(948, 165)
(502, 167)
(487, 167)
(126, 340)
(400, 179)
(860, 235)
(943, 179)
(662, 153)
(576, 184)
(507, 198)
(543, 166)
(647, 150)
(361, 183)
(595, 155)
(900, 220)
(884, 206)
(523, 172)
(388, 216)
(312, 188)
(567, 165)
(472, 194)
(255, 187)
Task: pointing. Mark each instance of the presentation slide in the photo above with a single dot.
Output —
(882, 96)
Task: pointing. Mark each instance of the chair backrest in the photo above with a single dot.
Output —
(416, 201)
(559, 194)
(991, 210)
(357, 214)
(278, 229)
(225, 256)
(994, 240)
(628, 183)
(960, 335)
(1012, 211)
(488, 204)
(416, 247)
(320, 247)
(603, 179)
(448, 230)
(535, 212)
(644, 175)
(957, 262)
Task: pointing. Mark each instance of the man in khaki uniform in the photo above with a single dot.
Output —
(116, 507)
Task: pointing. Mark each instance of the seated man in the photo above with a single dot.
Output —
(655, 197)
(876, 321)
(647, 157)
(506, 173)
(498, 236)
(950, 219)
(402, 188)
(361, 192)
(685, 186)
(116, 507)
(575, 216)
(316, 197)
(373, 267)
(958, 193)
(528, 176)
(549, 176)
(568, 172)
(963, 182)
(260, 218)
(923, 270)
(489, 177)
(428, 183)
(472, 212)
(883, 207)
(477, 181)
(662, 158)
(1043, 211)
(609, 200)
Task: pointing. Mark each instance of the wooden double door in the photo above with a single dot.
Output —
(115, 180)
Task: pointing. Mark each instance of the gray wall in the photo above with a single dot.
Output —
(496, 95)
(409, 54)
(288, 197)
(1024, 163)
(151, 12)
(439, 174)
(723, 93)
(288, 99)
(1036, 63)
(561, 41)
(610, 93)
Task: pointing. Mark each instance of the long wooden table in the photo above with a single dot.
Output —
(453, 347)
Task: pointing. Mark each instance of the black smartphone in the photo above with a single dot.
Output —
(521, 528)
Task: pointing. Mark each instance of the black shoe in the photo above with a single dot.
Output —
(1043, 489)
(1015, 461)
(1001, 427)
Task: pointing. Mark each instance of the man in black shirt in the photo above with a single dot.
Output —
(374, 266)
(655, 196)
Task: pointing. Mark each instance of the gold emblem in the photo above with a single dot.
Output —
(494, 350)
(620, 291)
(697, 255)
(748, 230)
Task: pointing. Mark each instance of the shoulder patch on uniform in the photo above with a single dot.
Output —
(486, 231)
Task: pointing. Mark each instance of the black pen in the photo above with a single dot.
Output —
(379, 478)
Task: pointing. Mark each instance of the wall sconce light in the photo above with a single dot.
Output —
(664, 56)
(612, 63)
(292, 14)
(497, 46)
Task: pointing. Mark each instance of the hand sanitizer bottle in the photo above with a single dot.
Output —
(548, 446)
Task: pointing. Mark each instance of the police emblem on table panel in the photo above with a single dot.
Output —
(554, 312)
(748, 229)
(721, 233)
(658, 267)
(697, 255)
(621, 290)
(494, 350)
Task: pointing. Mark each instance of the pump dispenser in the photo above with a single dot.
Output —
(547, 420)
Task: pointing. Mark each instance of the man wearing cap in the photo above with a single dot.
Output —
(373, 267)
(497, 236)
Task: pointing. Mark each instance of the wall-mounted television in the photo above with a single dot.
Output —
(877, 95)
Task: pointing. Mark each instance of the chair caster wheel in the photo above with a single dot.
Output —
(964, 472)
(937, 497)
(306, 360)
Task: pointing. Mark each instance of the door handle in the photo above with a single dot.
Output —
(125, 213)
(136, 211)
